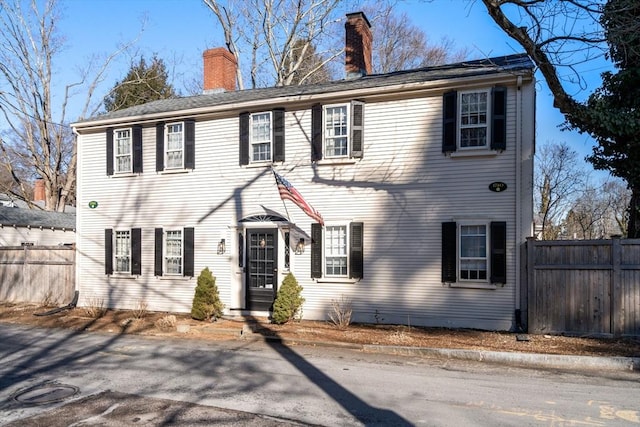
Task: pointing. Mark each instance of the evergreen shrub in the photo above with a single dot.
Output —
(288, 302)
(206, 301)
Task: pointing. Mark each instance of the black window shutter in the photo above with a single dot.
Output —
(108, 251)
(499, 119)
(189, 144)
(449, 251)
(278, 135)
(160, 147)
(316, 132)
(356, 259)
(244, 138)
(316, 250)
(136, 136)
(188, 252)
(449, 121)
(136, 251)
(357, 128)
(498, 244)
(157, 265)
(110, 151)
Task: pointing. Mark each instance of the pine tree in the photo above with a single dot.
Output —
(289, 300)
(206, 301)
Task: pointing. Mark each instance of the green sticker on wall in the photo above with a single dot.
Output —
(93, 204)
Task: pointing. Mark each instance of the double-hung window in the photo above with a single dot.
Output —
(474, 120)
(123, 151)
(474, 252)
(175, 145)
(174, 148)
(337, 131)
(173, 252)
(336, 126)
(261, 138)
(337, 250)
(474, 126)
(123, 251)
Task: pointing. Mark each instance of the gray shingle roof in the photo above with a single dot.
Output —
(36, 218)
(514, 63)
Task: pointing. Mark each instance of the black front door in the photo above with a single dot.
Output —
(262, 268)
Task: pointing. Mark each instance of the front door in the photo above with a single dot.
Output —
(262, 268)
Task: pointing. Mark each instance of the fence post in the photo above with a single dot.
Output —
(530, 320)
(617, 296)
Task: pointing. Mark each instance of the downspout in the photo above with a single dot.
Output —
(518, 204)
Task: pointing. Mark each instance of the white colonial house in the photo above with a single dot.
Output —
(418, 185)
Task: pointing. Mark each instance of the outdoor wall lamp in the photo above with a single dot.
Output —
(300, 246)
(221, 247)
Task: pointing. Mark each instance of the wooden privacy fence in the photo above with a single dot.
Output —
(582, 287)
(37, 274)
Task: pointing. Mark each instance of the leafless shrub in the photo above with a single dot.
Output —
(341, 310)
(140, 312)
(166, 323)
(400, 337)
(95, 307)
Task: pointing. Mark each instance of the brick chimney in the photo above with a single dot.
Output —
(38, 190)
(219, 70)
(357, 47)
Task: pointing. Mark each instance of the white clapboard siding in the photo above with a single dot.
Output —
(402, 189)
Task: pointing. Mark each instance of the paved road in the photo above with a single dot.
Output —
(96, 379)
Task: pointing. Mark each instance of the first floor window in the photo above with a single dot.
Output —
(123, 151)
(173, 252)
(123, 251)
(337, 250)
(174, 146)
(473, 252)
(336, 245)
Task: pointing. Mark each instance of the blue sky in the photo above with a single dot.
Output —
(178, 31)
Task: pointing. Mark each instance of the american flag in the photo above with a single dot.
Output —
(288, 192)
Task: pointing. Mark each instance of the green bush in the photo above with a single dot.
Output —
(206, 302)
(288, 302)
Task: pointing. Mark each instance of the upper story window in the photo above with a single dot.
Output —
(337, 130)
(124, 150)
(474, 120)
(337, 250)
(175, 145)
(474, 125)
(262, 137)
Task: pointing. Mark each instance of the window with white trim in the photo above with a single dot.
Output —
(336, 244)
(173, 253)
(474, 123)
(122, 252)
(123, 151)
(174, 147)
(336, 130)
(473, 252)
(261, 137)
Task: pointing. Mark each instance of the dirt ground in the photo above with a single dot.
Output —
(182, 326)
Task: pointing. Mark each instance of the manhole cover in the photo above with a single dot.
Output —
(45, 393)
